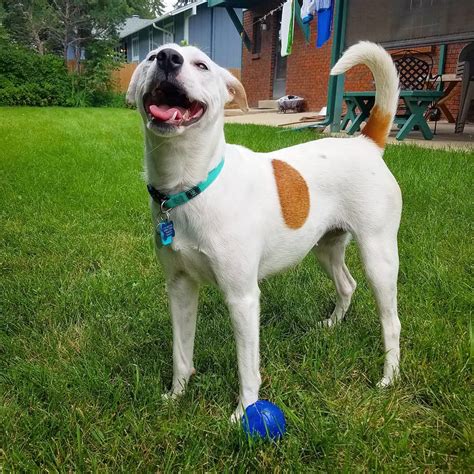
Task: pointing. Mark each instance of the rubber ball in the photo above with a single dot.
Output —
(264, 419)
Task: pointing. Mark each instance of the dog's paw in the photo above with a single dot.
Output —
(169, 396)
(237, 415)
(385, 382)
(173, 394)
(326, 323)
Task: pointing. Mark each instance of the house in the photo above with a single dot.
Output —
(440, 29)
(195, 24)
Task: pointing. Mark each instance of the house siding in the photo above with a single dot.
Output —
(179, 28)
(211, 30)
(227, 49)
(200, 29)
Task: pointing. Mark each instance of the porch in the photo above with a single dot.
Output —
(443, 138)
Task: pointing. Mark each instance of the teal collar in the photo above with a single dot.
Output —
(168, 202)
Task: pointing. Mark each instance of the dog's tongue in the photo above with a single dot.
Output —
(165, 112)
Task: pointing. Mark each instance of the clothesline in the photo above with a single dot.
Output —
(270, 13)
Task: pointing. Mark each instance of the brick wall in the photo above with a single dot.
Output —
(308, 69)
(308, 66)
(257, 69)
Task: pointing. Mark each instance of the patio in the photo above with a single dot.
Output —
(444, 137)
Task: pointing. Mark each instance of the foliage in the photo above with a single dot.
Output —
(85, 28)
(182, 3)
(146, 8)
(85, 334)
(29, 23)
(28, 78)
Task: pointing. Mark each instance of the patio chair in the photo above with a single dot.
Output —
(415, 71)
(465, 69)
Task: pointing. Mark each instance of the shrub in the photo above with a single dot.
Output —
(27, 78)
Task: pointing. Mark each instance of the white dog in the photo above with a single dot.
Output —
(239, 216)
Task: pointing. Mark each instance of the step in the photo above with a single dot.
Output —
(268, 104)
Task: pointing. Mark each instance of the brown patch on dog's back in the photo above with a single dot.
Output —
(377, 127)
(293, 194)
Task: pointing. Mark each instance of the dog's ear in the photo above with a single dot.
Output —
(235, 89)
(132, 87)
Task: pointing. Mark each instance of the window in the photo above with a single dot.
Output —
(150, 39)
(135, 50)
(168, 37)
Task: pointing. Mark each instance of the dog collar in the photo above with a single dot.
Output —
(168, 202)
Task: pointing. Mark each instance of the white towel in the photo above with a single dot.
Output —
(307, 10)
(287, 27)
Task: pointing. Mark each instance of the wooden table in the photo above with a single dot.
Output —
(450, 81)
(359, 105)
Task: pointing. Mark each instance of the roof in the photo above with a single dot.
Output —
(134, 24)
(233, 3)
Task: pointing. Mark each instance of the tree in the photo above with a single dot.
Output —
(75, 23)
(58, 25)
(146, 8)
(182, 3)
(28, 22)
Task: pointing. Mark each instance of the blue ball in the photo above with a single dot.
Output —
(264, 419)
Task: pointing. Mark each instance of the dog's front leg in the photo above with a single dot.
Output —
(244, 307)
(183, 294)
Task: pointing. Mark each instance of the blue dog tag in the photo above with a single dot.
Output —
(166, 231)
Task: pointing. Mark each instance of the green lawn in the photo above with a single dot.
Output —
(85, 340)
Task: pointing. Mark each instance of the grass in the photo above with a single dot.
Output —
(85, 341)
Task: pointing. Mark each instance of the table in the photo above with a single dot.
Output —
(450, 81)
(416, 102)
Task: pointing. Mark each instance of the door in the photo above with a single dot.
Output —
(279, 77)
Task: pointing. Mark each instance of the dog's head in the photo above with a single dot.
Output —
(177, 88)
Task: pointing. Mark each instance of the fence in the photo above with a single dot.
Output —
(121, 77)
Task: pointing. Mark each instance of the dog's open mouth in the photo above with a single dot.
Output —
(169, 104)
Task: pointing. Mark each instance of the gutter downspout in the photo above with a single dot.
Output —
(187, 16)
(163, 30)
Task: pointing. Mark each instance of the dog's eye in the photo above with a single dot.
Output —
(152, 57)
(202, 66)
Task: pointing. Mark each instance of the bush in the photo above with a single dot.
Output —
(27, 78)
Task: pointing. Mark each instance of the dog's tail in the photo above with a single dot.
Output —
(387, 90)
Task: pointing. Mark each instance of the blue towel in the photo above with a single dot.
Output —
(324, 25)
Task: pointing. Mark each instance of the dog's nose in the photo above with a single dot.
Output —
(169, 60)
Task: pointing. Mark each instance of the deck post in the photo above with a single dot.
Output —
(240, 28)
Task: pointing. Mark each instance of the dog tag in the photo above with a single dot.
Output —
(166, 231)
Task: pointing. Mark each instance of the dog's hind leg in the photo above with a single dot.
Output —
(330, 252)
(380, 256)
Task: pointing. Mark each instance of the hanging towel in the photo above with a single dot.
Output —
(325, 12)
(307, 10)
(287, 27)
(311, 7)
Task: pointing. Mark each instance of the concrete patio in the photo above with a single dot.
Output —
(444, 138)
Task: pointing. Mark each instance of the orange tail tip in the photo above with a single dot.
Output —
(386, 86)
(378, 126)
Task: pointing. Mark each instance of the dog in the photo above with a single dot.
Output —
(242, 216)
